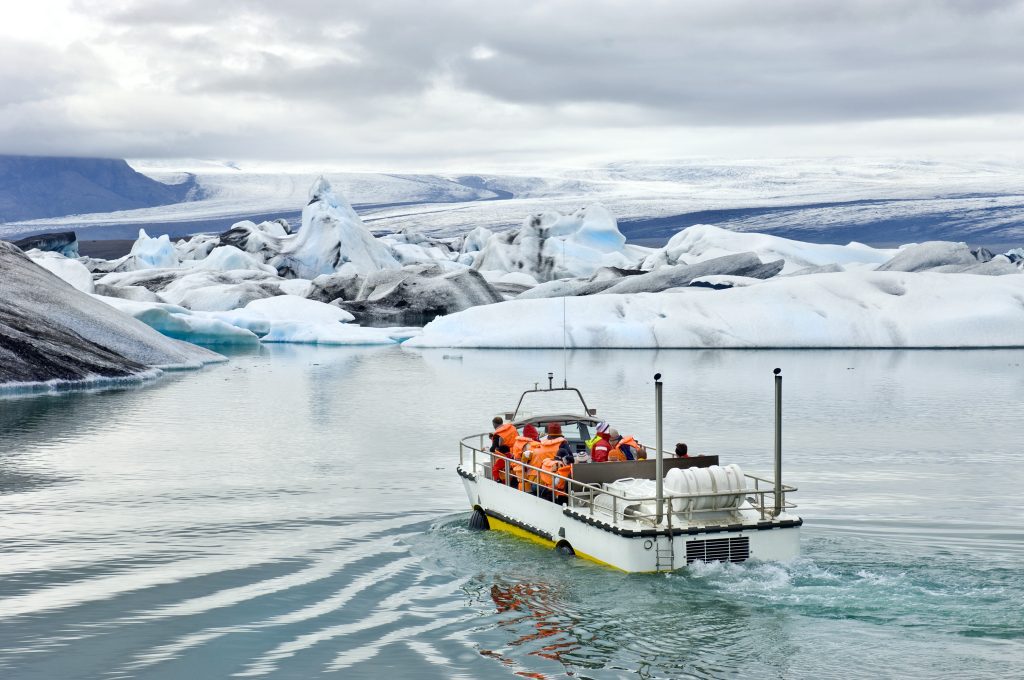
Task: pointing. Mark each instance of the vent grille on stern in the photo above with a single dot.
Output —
(736, 549)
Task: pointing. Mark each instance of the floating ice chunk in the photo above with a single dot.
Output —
(327, 334)
(299, 287)
(849, 309)
(917, 257)
(703, 242)
(294, 308)
(153, 253)
(229, 258)
(69, 270)
(183, 324)
(673, 276)
(196, 247)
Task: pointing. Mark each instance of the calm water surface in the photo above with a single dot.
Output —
(295, 513)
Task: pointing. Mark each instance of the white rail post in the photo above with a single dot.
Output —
(658, 463)
(778, 442)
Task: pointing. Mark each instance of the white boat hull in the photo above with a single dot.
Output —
(632, 550)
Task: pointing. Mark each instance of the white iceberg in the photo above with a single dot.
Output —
(153, 253)
(229, 258)
(70, 270)
(294, 308)
(332, 238)
(553, 246)
(849, 309)
(704, 242)
(183, 324)
(328, 334)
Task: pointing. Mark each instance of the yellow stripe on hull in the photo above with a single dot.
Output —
(497, 524)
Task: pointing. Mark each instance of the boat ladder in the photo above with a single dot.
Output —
(664, 555)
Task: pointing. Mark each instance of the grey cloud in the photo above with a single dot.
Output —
(696, 63)
(574, 65)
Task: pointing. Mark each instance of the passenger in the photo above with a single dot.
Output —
(602, 447)
(631, 447)
(682, 451)
(529, 436)
(551, 446)
(504, 433)
(501, 463)
(617, 454)
(495, 438)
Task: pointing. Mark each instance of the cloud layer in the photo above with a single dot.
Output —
(453, 81)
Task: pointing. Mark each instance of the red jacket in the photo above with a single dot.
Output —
(599, 454)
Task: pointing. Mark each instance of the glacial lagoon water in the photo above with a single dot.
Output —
(295, 513)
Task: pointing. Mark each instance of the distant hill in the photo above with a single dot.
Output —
(33, 187)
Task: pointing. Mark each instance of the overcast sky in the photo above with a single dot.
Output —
(449, 83)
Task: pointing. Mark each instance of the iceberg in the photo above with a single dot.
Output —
(848, 309)
(184, 324)
(552, 246)
(294, 308)
(229, 258)
(328, 334)
(674, 276)
(417, 294)
(332, 238)
(704, 242)
(153, 253)
(70, 270)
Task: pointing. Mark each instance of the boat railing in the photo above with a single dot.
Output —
(585, 495)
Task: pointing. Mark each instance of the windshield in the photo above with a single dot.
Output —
(550, 401)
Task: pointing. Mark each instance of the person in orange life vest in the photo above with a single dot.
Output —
(504, 433)
(617, 454)
(552, 445)
(550, 488)
(501, 463)
(623, 448)
(495, 439)
(682, 451)
(529, 436)
(602, 447)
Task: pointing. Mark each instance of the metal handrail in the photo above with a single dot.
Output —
(575, 489)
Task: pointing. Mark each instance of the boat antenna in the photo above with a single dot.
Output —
(565, 360)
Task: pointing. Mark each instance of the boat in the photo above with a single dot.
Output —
(661, 514)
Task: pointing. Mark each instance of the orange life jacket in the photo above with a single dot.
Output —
(626, 441)
(517, 454)
(518, 445)
(508, 434)
(564, 471)
(542, 451)
(629, 441)
(549, 465)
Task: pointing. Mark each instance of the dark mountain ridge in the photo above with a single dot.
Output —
(33, 187)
